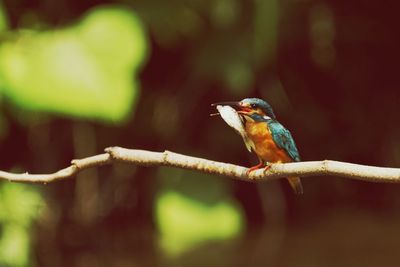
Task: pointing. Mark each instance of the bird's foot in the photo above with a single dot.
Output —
(258, 166)
(267, 167)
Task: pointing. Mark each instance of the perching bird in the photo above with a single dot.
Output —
(265, 136)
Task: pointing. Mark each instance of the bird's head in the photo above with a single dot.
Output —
(251, 107)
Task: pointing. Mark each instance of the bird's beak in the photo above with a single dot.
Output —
(236, 105)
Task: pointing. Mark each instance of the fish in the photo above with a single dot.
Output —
(235, 121)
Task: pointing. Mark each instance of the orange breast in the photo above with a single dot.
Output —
(266, 148)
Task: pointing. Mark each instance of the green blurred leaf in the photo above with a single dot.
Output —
(185, 222)
(193, 209)
(3, 19)
(14, 246)
(86, 70)
(224, 13)
(19, 205)
(266, 21)
(239, 77)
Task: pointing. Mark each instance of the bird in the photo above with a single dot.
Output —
(265, 136)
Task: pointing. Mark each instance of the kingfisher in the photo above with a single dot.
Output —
(265, 136)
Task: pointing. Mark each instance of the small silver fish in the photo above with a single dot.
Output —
(234, 120)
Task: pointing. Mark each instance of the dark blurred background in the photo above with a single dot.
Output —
(79, 76)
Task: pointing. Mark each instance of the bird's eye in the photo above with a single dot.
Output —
(253, 105)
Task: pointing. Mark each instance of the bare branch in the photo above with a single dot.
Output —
(167, 158)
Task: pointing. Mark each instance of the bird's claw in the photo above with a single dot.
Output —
(259, 166)
(269, 165)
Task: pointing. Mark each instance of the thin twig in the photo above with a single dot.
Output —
(167, 158)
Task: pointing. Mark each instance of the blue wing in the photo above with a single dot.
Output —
(284, 139)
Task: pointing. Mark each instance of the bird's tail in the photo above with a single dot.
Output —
(295, 183)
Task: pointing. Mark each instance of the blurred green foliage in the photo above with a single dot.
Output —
(193, 209)
(185, 222)
(85, 70)
(3, 19)
(20, 205)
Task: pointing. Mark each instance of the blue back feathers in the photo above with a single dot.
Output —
(283, 138)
